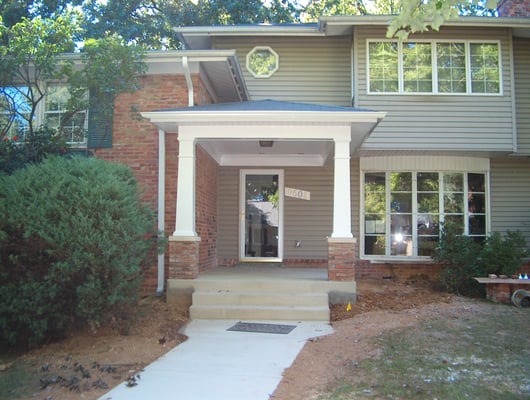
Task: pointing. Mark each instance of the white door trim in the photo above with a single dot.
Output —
(242, 178)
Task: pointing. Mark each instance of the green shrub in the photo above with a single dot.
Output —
(35, 146)
(466, 258)
(73, 239)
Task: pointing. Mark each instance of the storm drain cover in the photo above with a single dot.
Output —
(261, 328)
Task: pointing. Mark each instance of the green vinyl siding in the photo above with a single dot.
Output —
(510, 194)
(439, 122)
(522, 92)
(308, 221)
(310, 70)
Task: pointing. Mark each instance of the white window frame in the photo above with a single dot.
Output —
(43, 113)
(433, 43)
(262, 48)
(440, 164)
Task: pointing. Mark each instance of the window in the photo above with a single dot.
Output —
(403, 211)
(434, 67)
(15, 112)
(73, 127)
(262, 62)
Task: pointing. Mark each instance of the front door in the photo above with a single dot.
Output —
(261, 203)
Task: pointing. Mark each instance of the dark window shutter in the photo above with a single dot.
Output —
(100, 124)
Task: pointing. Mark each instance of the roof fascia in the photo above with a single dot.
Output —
(384, 20)
(269, 116)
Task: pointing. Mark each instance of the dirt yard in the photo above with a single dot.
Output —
(86, 365)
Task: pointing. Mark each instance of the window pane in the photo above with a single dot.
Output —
(427, 181)
(417, 67)
(401, 224)
(453, 182)
(401, 245)
(73, 128)
(476, 203)
(375, 245)
(428, 224)
(383, 70)
(374, 224)
(374, 188)
(401, 181)
(15, 111)
(428, 202)
(485, 70)
(401, 202)
(477, 224)
(426, 245)
(453, 203)
(451, 65)
(476, 182)
(456, 221)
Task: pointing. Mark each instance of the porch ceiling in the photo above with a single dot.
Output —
(281, 153)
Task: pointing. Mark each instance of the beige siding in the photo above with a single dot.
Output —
(439, 122)
(510, 195)
(522, 92)
(355, 183)
(308, 221)
(312, 70)
(228, 213)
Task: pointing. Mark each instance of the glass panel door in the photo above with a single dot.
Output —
(261, 216)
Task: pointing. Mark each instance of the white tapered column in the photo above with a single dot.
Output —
(341, 188)
(185, 215)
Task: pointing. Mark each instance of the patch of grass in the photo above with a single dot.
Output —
(475, 356)
(15, 382)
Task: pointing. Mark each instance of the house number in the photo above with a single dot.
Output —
(298, 194)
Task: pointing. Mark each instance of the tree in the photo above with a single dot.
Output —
(151, 22)
(39, 50)
(422, 15)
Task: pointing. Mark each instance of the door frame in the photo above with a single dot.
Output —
(242, 206)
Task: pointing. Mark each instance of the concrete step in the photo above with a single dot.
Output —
(248, 298)
(264, 313)
(258, 285)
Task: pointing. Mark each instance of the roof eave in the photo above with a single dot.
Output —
(269, 117)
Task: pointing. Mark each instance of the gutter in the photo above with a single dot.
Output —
(161, 206)
(189, 82)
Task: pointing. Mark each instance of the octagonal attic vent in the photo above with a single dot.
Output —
(262, 62)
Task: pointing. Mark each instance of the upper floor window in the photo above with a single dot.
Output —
(434, 67)
(72, 126)
(15, 112)
(403, 211)
(262, 62)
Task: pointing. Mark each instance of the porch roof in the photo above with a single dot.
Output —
(298, 133)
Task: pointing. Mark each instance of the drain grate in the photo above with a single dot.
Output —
(261, 328)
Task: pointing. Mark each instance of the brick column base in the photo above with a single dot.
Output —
(183, 257)
(341, 259)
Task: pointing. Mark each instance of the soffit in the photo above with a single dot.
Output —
(219, 69)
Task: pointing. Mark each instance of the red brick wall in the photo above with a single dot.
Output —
(400, 271)
(513, 8)
(206, 208)
(135, 144)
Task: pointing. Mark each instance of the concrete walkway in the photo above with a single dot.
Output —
(216, 364)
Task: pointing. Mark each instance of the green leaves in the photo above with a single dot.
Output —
(74, 238)
(422, 15)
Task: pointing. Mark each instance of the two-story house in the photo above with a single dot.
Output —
(329, 145)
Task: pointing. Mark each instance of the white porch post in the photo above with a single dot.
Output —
(185, 215)
(341, 188)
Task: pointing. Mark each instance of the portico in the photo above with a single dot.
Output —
(300, 135)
